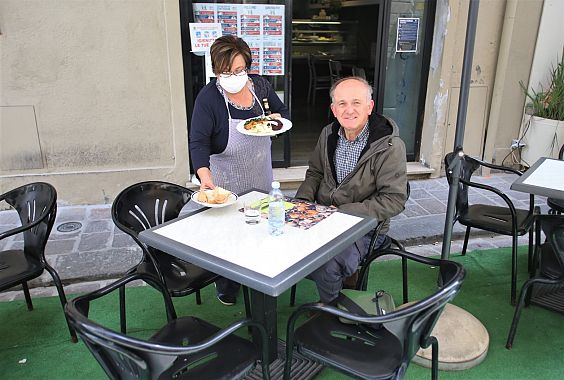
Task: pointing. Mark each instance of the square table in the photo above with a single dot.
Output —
(545, 177)
(219, 240)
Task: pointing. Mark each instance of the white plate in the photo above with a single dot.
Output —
(232, 199)
(286, 125)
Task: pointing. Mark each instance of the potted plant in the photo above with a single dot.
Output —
(544, 133)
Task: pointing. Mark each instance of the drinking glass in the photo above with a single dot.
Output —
(252, 212)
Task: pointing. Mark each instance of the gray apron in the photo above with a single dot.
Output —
(245, 163)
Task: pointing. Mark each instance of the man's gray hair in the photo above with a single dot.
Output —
(360, 79)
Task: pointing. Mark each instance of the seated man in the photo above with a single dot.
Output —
(359, 166)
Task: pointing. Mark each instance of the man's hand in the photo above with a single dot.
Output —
(275, 116)
(206, 181)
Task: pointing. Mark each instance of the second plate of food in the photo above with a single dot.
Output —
(264, 126)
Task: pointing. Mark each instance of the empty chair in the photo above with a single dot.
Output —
(358, 72)
(319, 78)
(548, 264)
(36, 204)
(376, 347)
(335, 69)
(556, 205)
(145, 205)
(184, 348)
(504, 220)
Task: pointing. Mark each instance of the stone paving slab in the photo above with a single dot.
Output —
(98, 250)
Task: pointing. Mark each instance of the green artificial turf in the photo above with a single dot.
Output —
(41, 338)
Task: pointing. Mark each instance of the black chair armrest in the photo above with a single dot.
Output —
(498, 167)
(493, 190)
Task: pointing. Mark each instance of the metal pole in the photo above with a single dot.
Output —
(460, 124)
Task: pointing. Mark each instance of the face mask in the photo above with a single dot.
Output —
(234, 83)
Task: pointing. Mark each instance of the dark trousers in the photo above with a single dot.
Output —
(329, 277)
(226, 286)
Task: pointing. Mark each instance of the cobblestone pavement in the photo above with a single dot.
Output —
(97, 252)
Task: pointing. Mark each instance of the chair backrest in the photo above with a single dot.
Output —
(148, 204)
(335, 68)
(358, 72)
(317, 71)
(561, 153)
(122, 356)
(36, 204)
(468, 166)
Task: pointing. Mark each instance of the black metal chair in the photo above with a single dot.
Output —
(359, 72)
(548, 264)
(36, 204)
(335, 68)
(556, 206)
(377, 347)
(145, 205)
(506, 220)
(184, 348)
(319, 79)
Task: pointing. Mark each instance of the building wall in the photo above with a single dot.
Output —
(482, 134)
(91, 95)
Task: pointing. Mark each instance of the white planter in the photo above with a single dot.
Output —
(543, 138)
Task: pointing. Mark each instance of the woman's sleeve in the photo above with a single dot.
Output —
(201, 132)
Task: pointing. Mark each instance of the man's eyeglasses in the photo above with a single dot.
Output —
(237, 73)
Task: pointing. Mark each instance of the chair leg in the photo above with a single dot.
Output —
(434, 358)
(122, 320)
(293, 295)
(466, 236)
(198, 297)
(247, 302)
(517, 315)
(404, 279)
(531, 250)
(27, 296)
(514, 270)
(62, 298)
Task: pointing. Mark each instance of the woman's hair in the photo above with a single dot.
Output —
(224, 50)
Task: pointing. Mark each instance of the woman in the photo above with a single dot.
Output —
(222, 156)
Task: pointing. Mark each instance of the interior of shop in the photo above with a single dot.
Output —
(328, 42)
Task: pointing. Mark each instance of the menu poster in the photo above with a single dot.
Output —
(260, 25)
(227, 17)
(408, 33)
(250, 20)
(204, 13)
(272, 58)
(256, 49)
(202, 35)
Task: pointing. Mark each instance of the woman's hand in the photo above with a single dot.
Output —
(275, 116)
(206, 181)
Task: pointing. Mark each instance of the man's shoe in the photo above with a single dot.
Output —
(226, 299)
(350, 282)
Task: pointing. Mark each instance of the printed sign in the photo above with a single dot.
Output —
(202, 35)
(407, 34)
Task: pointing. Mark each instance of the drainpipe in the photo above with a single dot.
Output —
(499, 84)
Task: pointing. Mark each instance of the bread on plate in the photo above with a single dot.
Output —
(216, 196)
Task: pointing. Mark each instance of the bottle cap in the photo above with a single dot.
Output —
(275, 185)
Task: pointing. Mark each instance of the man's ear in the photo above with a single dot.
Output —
(371, 106)
(332, 106)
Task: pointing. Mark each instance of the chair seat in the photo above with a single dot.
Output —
(180, 275)
(369, 356)
(230, 358)
(495, 219)
(556, 204)
(16, 267)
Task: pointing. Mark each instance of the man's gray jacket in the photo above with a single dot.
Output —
(376, 187)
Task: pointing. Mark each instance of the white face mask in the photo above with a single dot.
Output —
(234, 83)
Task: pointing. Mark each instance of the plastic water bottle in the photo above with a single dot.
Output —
(276, 211)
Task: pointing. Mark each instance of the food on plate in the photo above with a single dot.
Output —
(215, 196)
(262, 125)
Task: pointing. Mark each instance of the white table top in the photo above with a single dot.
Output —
(545, 177)
(219, 240)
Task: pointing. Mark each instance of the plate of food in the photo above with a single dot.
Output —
(264, 126)
(217, 197)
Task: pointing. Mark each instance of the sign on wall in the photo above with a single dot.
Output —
(260, 25)
(407, 35)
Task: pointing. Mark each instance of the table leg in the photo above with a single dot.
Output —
(263, 310)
